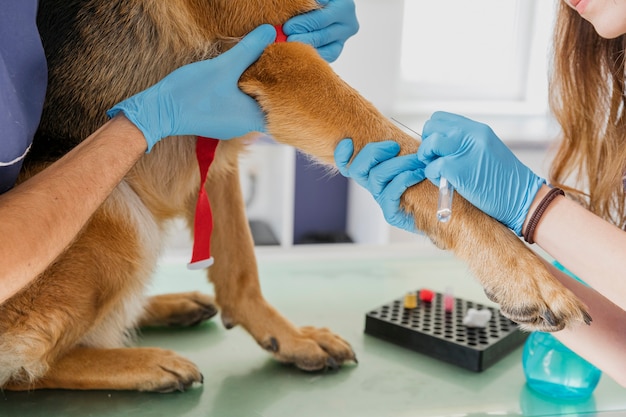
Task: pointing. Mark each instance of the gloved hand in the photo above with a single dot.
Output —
(479, 166)
(326, 29)
(201, 98)
(385, 175)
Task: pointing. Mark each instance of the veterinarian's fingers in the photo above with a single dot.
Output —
(250, 48)
(401, 220)
(433, 172)
(441, 168)
(393, 192)
(336, 11)
(382, 174)
(343, 154)
(320, 37)
(389, 200)
(435, 146)
(330, 52)
(371, 155)
(443, 122)
(333, 24)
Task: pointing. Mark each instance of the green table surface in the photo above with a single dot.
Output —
(328, 286)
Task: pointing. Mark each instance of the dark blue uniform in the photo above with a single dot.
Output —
(23, 80)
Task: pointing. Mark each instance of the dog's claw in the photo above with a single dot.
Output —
(332, 363)
(548, 316)
(272, 345)
(228, 322)
(491, 296)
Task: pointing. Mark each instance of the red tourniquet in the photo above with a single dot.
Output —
(280, 35)
(203, 220)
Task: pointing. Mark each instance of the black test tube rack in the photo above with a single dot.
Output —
(430, 330)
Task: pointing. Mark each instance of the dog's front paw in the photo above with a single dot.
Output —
(549, 307)
(310, 349)
(514, 276)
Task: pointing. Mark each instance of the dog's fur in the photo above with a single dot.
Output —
(70, 327)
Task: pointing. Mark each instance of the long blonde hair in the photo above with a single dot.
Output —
(587, 99)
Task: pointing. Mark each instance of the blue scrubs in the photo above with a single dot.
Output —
(23, 81)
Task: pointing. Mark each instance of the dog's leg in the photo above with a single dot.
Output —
(140, 369)
(238, 294)
(91, 296)
(309, 107)
(179, 309)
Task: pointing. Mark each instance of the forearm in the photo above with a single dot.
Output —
(591, 248)
(602, 342)
(41, 216)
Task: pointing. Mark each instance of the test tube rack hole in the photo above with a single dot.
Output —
(431, 330)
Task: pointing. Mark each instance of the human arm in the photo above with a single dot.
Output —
(602, 342)
(43, 215)
(591, 248)
(326, 29)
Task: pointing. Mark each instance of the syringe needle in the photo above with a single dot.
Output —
(444, 204)
(446, 191)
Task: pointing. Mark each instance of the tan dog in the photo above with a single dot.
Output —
(69, 328)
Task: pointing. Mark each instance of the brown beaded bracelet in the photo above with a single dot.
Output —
(541, 208)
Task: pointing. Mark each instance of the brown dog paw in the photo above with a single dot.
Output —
(547, 308)
(180, 309)
(136, 369)
(171, 373)
(311, 349)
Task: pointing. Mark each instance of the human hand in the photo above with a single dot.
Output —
(326, 29)
(385, 175)
(479, 166)
(202, 98)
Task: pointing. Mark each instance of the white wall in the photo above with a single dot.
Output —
(371, 59)
(370, 63)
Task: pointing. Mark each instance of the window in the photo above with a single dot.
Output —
(485, 57)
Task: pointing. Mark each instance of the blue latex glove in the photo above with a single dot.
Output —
(479, 166)
(202, 98)
(326, 29)
(385, 175)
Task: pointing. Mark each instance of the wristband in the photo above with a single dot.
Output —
(541, 208)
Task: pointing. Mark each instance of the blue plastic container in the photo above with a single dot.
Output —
(554, 370)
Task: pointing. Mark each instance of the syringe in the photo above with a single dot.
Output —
(446, 190)
(444, 203)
